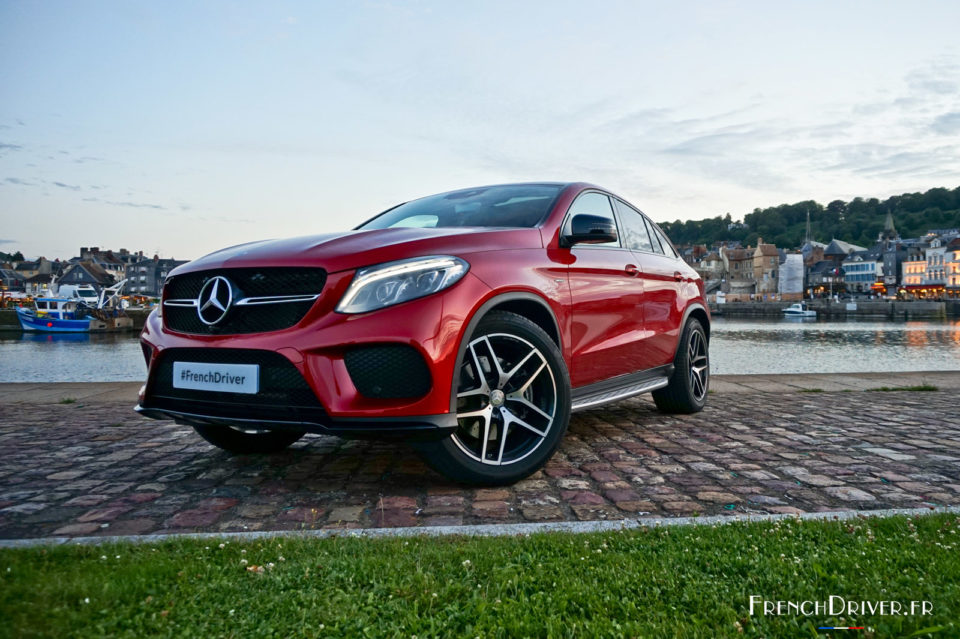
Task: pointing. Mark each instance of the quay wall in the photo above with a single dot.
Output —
(870, 309)
(8, 319)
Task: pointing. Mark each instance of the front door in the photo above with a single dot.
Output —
(606, 293)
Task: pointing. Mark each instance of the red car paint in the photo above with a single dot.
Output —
(616, 311)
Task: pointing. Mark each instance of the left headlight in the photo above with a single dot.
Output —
(391, 283)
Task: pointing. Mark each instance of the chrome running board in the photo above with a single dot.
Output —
(606, 392)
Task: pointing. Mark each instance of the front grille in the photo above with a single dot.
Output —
(388, 371)
(247, 282)
(283, 395)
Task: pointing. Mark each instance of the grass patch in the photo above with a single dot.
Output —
(68, 400)
(811, 390)
(917, 388)
(666, 582)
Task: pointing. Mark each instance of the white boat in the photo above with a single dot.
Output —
(799, 310)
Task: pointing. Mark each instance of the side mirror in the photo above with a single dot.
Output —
(590, 229)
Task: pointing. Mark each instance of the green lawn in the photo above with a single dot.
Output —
(676, 581)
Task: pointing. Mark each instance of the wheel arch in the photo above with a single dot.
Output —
(525, 304)
(699, 312)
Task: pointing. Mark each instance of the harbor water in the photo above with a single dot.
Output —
(736, 347)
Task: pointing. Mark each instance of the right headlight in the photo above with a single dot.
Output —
(383, 285)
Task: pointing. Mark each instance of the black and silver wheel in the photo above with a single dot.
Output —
(687, 390)
(513, 404)
(244, 441)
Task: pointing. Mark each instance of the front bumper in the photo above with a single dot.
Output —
(316, 352)
(415, 428)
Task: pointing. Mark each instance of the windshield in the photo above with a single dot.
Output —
(87, 293)
(512, 206)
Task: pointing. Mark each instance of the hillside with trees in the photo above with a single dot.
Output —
(858, 221)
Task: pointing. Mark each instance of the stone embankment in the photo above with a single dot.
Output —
(827, 309)
(8, 319)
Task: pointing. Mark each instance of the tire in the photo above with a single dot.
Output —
(248, 441)
(687, 391)
(521, 400)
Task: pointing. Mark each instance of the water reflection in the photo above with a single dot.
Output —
(737, 346)
(789, 346)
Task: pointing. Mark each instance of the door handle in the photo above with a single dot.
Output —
(677, 275)
(631, 270)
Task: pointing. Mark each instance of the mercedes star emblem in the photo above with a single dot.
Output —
(214, 300)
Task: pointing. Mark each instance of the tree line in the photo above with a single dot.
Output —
(858, 221)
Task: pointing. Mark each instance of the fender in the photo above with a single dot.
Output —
(686, 315)
(478, 315)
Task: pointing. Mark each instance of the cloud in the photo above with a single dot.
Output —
(87, 158)
(7, 241)
(66, 186)
(4, 146)
(947, 124)
(132, 205)
(13, 180)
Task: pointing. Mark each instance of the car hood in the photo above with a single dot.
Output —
(354, 249)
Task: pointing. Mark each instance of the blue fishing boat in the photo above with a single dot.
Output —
(54, 315)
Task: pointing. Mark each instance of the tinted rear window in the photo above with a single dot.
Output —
(509, 206)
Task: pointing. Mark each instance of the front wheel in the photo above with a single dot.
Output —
(687, 391)
(245, 441)
(513, 404)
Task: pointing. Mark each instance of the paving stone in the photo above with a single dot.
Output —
(77, 530)
(792, 455)
(346, 514)
(103, 514)
(395, 503)
(193, 518)
(847, 493)
(718, 497)
(393, 518)
(542, 513)
(301, 514)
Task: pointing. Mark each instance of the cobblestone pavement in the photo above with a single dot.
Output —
(78, 470)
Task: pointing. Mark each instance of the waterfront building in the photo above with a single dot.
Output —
(11, 280)
(737, 271)
(952, 268)
(863, 269)
(37, 284)
(39, 266)
(824, 278)
(766, 266)
(790, 281)
(914, 270)
(85, 272)
(145, 277)
(837, 251)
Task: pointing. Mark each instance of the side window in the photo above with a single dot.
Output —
(665, 243)
(591, 204)
(653, 237)
(634, 230)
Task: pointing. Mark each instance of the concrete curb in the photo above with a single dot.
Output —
(485, 530)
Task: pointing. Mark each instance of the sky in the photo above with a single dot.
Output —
(178, 128)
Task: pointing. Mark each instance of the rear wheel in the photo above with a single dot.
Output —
(513, 404)
(247, 441)
(687, 390)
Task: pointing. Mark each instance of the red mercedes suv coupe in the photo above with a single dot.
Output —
(471, 323)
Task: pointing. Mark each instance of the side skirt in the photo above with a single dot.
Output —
(621, 387)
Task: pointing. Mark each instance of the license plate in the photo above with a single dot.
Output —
(229, 378)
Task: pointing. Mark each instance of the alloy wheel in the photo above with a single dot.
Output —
(699, 365)
(506, 400)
